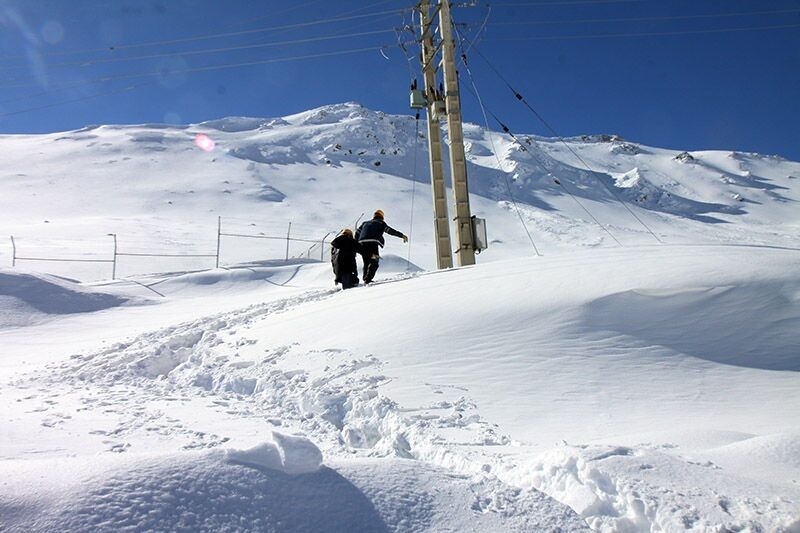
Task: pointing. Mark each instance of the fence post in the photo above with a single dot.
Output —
(355, 226)
(322, 251)
(114, 263)
(288, 236)
(219, 235)
(13, 252)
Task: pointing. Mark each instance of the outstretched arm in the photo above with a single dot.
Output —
(394, 232)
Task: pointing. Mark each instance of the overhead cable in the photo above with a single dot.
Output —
(494, 148)
(221, 66)
(644, 34)
(74, 100)
(552, 3)
(542, 163)
(189, 70)
(552, 130)
(91, 62)
(644, 19)
(413, 189)
(304, 5)
(524, 148)
(294, 7)
(479, 30)
(210, 36)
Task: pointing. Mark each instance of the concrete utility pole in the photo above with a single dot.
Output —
(444, 258)
(458, 163)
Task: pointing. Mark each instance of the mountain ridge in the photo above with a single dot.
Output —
(324, 166)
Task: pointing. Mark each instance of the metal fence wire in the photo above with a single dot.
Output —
(226, 229)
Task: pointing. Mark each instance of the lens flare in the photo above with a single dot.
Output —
(204, 142)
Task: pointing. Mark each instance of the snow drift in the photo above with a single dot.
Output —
(205, 492)
(29, 298)
(290, 454)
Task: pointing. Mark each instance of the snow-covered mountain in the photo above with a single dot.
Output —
(623, 386)
(321, 169)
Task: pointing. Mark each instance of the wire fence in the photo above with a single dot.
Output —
(236, 241)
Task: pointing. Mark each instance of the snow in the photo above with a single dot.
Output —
(159, 192)
(287, 453)
(26, 299)
(648, 387)
(203, 491)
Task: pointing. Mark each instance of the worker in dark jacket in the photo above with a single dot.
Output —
(370, 237)
(343, 259)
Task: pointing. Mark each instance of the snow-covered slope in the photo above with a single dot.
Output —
(154, 188)
(648, 387)
(26, 299)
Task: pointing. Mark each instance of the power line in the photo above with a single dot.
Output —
(212, 36)
(372, 5)
(74, 100)
(345, 13)
(91, 62)
(28, 96)
(220, 66)
(479, 30)
(503, 172)
(542, 163)
(198, 69)
(301, 6)
(281, 12)
(645, 34)
(494, 148)
(413, 188)
(554, 3)
(68, 85)
(524, 149)
(645, 19)
(552, 130)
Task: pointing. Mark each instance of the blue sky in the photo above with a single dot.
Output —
(671, 74)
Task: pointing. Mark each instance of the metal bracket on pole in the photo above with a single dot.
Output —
(432, 57)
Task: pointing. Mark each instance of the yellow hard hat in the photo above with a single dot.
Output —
(378, 214)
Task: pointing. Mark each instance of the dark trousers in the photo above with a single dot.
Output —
(371, 256)
(349, 280)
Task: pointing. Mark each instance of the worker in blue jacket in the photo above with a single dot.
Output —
(370, 238)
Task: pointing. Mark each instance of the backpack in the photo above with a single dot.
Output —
(335, 260)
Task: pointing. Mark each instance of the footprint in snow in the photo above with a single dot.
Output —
(119, 447)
